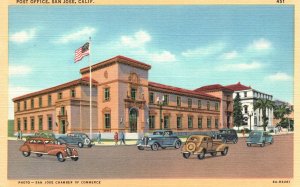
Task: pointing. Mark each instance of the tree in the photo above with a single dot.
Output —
(281, 112)
(263, 105)
(237, 111)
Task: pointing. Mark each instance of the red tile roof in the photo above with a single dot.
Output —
(84, 80)
(119, 59)
(165, 88)
(213, 87)
(238, 86)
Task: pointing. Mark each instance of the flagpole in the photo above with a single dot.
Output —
(90, 41)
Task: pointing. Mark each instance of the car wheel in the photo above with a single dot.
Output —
(87, 141)
(262, 145)
(235, 140)
(26, 154)
(225, 151)
(60, 157)
(213, 153)
(249, 144)
(74, 158)
(177, 144)
(201, 155)
(186, 155)
(141, 148)
(80, 145)
(272, 141)
(39, 155)
(154, 147)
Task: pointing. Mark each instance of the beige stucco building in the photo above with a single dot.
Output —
(123, 99)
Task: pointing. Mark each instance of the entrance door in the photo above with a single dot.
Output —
(63, 126)
(133, 114)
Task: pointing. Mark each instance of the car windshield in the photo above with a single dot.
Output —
(158, 133)
(255, 134)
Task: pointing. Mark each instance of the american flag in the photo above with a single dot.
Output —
(82, 52)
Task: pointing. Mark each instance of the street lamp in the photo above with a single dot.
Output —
(250, 115)
(160, 103)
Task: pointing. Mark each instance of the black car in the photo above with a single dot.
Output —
(79, 139)
(227, 135)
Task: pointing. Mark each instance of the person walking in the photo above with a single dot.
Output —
(116, 138)
(99, 137)
(18, 135)
(21, 135)
(122, 138)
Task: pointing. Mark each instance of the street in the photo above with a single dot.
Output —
(113, 162)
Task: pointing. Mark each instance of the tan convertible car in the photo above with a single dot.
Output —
(200, 145)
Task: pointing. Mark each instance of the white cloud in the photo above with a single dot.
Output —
(165, 56)
(137, 40)
(209, 50)
(279, 77)
(240, 67)
(230, 55)
(77, 35)
(19, 70)
(261, 44)
(23, 36)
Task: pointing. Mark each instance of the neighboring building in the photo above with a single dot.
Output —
(249, 96)
(290, 116)
(123, 100)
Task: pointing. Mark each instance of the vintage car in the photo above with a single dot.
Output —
(259, 138)
(47, 146)
(200, 145)
(227, 135)
(159, 138)
(79, 139)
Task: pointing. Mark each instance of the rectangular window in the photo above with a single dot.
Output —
(32, 103)
(151, 98)
(60, 95)
(246, 109)
(49, 100)
(25, 124)
(19, 124)
(208, 105)
(151, 122)
(133, 93)
(216, 123)
(18, 106)
(106, 94)
(199, 104)
(32, 123)
(217, 106)
(49, 122)
(178, 101)
(199, 123)
(245, 94)
(62, 111)
(107, 121)
(209, 122)
(166, 122)
(179, 122)
(41, 123)
(166, 99)
(25, 105)
(73, 93)
(40, 102)
(189, 102)
(190, 122)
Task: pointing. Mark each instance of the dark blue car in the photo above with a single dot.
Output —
(259, 138)
(79, 139)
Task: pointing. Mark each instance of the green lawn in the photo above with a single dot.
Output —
(10, 130)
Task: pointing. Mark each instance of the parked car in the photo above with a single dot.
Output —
(79, 139)
(200, 145)
(159, 138)
(46, 146)
(259, 138)
(227, 135)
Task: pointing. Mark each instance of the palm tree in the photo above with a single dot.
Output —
(263, 105)
(281, 112)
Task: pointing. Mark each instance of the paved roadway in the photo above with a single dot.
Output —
(112, 162)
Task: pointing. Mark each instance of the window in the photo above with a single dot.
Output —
(133, 93)
(49, 122)
(166, 122)
(179, 122)
(246, 109)
(199, 123)
(245, 94)
(62, 110)
(190, 122)
(151, 122)
(19, 124)
(73, 93)
(25, 124)
(208, 105)
(106, 94)
(209, 122)
(189, 102)
(199, 104)
(40, 102)
(216, 123)
(217, 106)
(178, 101)
(107, 121)
(32, 123)
(32, 103)
(151, 98)
(49, 100)
(166, 99)
(40, 122)
(25, 105)
(60, 95)
(18, 106)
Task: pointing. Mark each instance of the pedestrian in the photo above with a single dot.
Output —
(116, 138)
(18, 135)
(122, 138)
(21, 135)
(99, 137)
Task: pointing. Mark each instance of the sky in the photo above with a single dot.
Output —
(187, 46)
